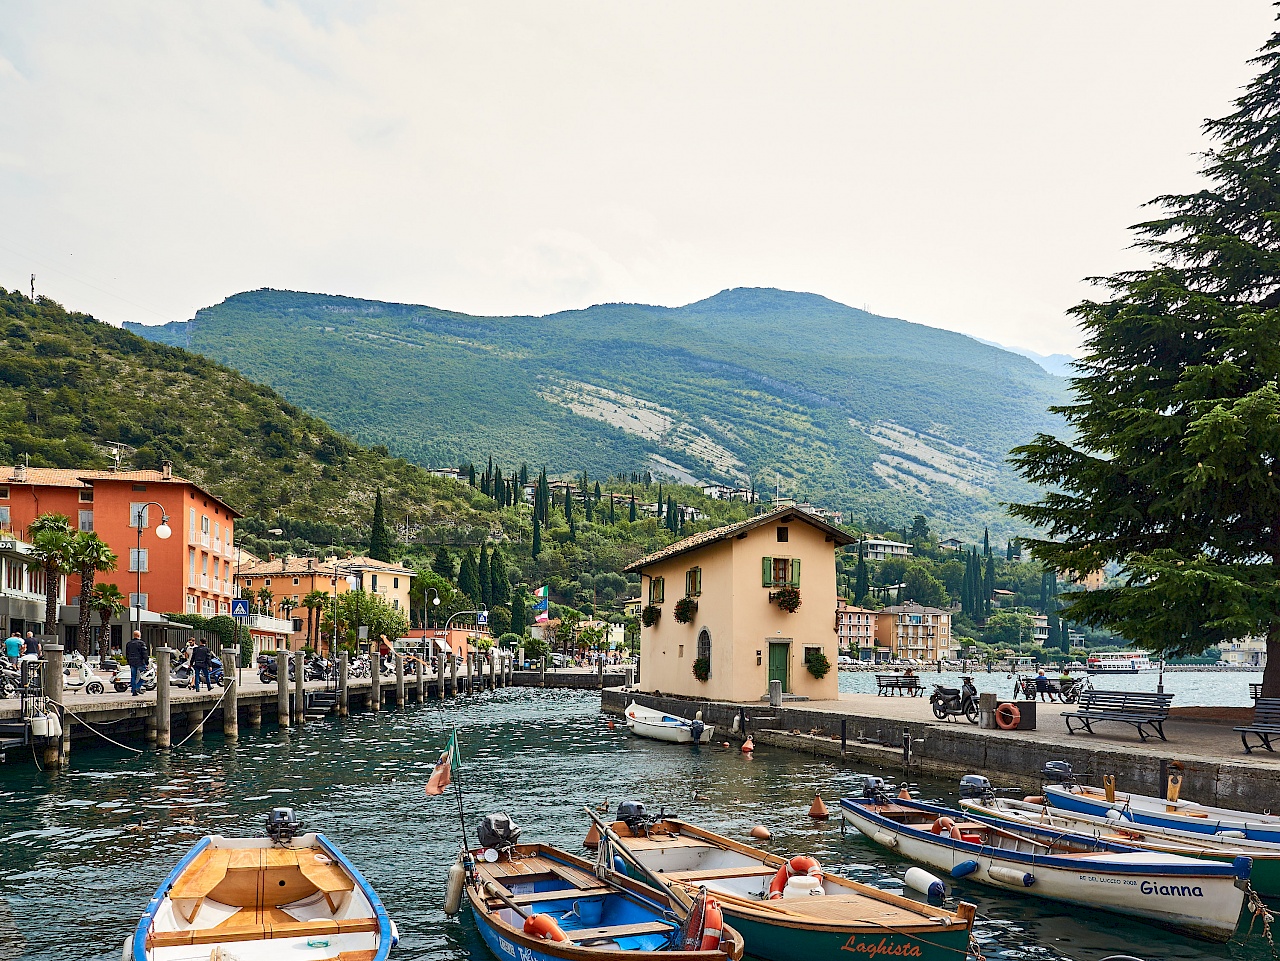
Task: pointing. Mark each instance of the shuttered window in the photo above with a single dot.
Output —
(693, 582)
(657, 590)
(779, 571)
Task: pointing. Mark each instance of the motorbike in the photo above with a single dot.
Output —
(1068, 692)
(318, 669)
(121, 680)
(359, 667)
(954, 701)
(267, 670)
(77, 675)
(183, 674)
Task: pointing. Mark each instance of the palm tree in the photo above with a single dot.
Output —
(89, 556)
(50, 549)
(265, 599)
(313, 601)
(109, 603)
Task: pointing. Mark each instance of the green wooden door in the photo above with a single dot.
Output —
(779, 657)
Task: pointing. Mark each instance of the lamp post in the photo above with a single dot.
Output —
(162, 532)
(435, 602)
(351, 582)
(450, 618)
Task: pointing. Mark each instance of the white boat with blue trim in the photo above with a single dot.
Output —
(660, 726)
(1200, 898)
(288, 895)
(1161, 812)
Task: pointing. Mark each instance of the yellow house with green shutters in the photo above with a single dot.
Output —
(717, 618)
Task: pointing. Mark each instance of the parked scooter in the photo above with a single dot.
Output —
(954, 701)
(359, 667)
(77, 675)
(318, 668)
(1069, 691)
(267, 668)
(121, 680)
(183, 674)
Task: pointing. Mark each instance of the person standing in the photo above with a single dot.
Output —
(33, 645)
(135, 655)
(200, 663)
(13, 648)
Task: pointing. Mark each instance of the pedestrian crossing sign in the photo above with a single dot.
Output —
(240, 607)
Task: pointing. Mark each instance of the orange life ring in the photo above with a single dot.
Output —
(1008, 716)
(800, 865)
(712, 926)
(544, 926)
(942, 824)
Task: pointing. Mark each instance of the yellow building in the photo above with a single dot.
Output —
(913, 631)
(389, 581)
(733, 579)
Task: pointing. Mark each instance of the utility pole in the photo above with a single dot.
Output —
(33, 288)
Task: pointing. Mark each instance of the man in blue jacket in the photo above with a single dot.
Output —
(135, 655)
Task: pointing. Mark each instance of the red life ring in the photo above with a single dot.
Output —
(802, 865)
(1008, 716)
(944, 825)
(544, 926)
(712, 926)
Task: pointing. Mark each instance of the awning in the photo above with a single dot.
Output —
(443, 646)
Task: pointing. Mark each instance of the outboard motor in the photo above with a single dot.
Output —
(873, 788)
(283, 825)
(498, 831)
(975, 787)
(696, 727)
(1057, 772)
(632, 814)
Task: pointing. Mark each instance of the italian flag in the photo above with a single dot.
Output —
(442, 776)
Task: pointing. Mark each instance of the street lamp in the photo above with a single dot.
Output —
(163, 531)
(351, 582)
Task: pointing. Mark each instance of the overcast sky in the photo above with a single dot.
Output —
(963, 165)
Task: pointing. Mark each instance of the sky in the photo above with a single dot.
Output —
(962, 165)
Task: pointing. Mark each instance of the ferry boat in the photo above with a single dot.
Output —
(1120, 663)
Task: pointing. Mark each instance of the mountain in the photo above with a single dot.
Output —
(72, 389)
(1056, 364)
(876, 416)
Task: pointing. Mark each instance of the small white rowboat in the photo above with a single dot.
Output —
(646, 722)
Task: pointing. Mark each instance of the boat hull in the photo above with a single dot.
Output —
(1217, 821)
(657, 726)
(1204, 907)
(784, 941)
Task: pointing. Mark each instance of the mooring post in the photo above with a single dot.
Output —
(230, 699)
(195, 724)
(164, 719)
(53, 754)
(420, 682)
(453, 675)
(299, 689)
(542, 672)
(344, 695)
(253, 714)
(471, 663)
(375, 676)
(600, 664)
(282, 689)
(399, 658)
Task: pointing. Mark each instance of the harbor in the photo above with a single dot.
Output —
(359, 779)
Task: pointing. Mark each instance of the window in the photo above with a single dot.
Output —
(140, 487)
(681, 650)
(138, 559)
(86, 495)
(704, 648)
(86, 520)
(693, 582)
(191, 604)
(657, 590)
(4, 492)
(296, 582)
(36, 581)
(784, 534)
(191, 513)
(4, 514)
(297, 624)
(248, 582)
(137, 508)
(204, 523)
(13, 571)
(395, 582)
(139, 600)
(266, 581)
(780, 571)
(373, 582)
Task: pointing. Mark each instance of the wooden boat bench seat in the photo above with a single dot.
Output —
(1139, 708)
(561, 894)
(709, 874)
(1265, 724)
(253, 928)
(620, 931)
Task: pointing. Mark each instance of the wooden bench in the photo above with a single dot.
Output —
(1139, 708)
(560, 894)
(615, 931)
(1266, 724)
(1255, 690)
(893, 684)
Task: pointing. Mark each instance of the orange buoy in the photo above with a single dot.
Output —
(904, 794)
(592, 839)
(544, 926)
(802, 865)
(818, 810)
(760, 833)
(1008, 716)
(1033, 799)
(611, 725)
(748, 746)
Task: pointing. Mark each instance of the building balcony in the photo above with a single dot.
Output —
(268, 624)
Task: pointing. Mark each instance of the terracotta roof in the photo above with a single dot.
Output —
(370, 564)
(60, 477)
(697, 541)
(911, 607)
(292, 565)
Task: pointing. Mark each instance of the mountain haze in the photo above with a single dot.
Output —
(873, 415)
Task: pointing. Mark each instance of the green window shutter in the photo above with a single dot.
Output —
(697, 580)
(795, 572)
(766, 572)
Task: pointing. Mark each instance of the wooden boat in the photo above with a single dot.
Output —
(1159, 812)
(598, 918)
(848, 916)
(259, 899)
(659, 726)
(1199, 898)
(1264, 878)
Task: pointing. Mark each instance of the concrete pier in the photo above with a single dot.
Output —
(164, 694)
(230, 706)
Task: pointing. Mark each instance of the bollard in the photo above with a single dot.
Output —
(53, 754)
(282, 688)
(631, 677)
(542, 672)
(775, 693)
(470, 669)
(600, 665)
(164, 720)
(344, 701)
(453, 676)
(399, 659)
(230, 705)
(375, 673)
(299, 689)
(421, 681)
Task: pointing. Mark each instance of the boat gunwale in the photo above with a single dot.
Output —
(1267, 822)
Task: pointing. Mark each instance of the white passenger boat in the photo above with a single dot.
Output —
(1179, 814)
(1200, 898)
(1132, 662)
(261, 899)
(646, 722)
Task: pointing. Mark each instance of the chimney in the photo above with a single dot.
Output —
(166, 470)
(311, 563)
(20, 473)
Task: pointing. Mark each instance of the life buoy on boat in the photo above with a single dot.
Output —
(712, 926)
(544, 926)
(1007, 716)
(800, 865)
(944, 825)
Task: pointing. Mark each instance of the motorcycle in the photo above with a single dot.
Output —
(318, 669)
(78, 675)
(954, 701)
(1068, 692)
(121, 680)
(359, 667)
(267, 670)
(183, 674)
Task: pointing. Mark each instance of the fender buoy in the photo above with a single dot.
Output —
(818, 810)
(748, 746)
(1007, 716)
(800, 865)
(1034, 799)
(544, 926)
(712, 926)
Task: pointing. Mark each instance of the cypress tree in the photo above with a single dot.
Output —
(537, 536)
(379, 539)
(860, 580)
(599, 493)
(612, 516)
(986, 542)
(471, 474)
(673, 524)
(989, 584)
(1008, 552)
(568, 506)
(484, 580)
(500, 590)
(573, 527)
(659, 500)
(442, 563)
(632, 515)
(518, 614)
(524, 474)
(588, 509)
(469, 577)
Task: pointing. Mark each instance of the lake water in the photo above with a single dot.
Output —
(81, 851)
(1190, 688)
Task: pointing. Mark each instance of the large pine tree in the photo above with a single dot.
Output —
(379, 538)
(1175, 418)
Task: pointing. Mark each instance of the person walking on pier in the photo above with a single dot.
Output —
(200, 663)
(13, 648)
(33, 645)
(135, 654)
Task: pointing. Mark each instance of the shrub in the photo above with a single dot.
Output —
(685, 608)
(649, 616)
(817, 663)
(702, 668)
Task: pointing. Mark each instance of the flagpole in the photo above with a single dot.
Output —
(457, 786)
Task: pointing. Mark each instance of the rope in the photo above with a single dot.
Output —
(199, 727)
(94, 729)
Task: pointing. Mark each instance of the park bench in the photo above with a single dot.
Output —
(1266, 724)
(892, 684)
(1139, 708)
(1255, 690)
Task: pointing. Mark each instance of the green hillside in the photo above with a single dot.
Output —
(876, 416)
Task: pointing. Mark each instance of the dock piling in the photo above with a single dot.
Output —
(542, 672)
(253, 714)
(344, 698)
(471, 664)
(600, 672)
(195, 724)
(300, 691)
(53, 755)
(230, 707)
(399, 659)
(164, 718)
(375, 674)
(453, 676)
(420, 681)
(282, 688)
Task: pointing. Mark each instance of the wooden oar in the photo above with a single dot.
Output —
(608, 832)
(491, 889)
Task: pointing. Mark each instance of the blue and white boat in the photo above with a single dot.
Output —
(659, 726)
(1200, 898)
(288, 895)
(533, 902)
(1178, 814)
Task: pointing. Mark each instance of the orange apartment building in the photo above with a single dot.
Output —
(291, 579)
(191, 571)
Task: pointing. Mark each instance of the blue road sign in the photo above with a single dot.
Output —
(240, 607)
(482, 618)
